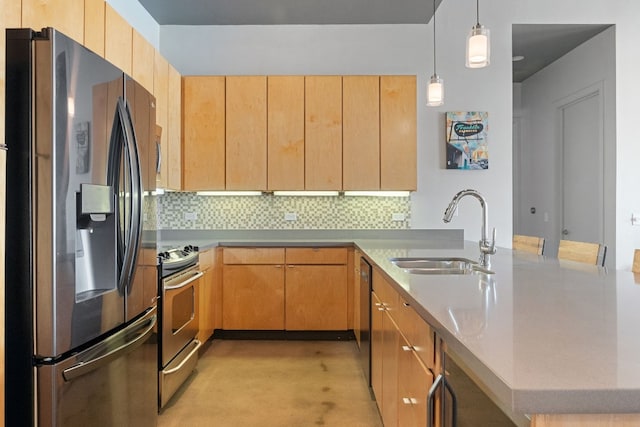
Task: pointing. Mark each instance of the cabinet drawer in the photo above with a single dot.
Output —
(207, 258)
(383, 289)
(317, 256)
(418, 333)
(253, 256)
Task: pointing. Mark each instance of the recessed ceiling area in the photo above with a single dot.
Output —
(542, 44)
(289, 12)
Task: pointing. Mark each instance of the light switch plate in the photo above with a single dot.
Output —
(190, 216)
(291, 216)
(398, 217)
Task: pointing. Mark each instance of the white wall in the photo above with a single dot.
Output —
(592, 63)
(407, 49)
(138, 17)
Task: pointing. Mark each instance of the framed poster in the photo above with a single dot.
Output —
(466, 140)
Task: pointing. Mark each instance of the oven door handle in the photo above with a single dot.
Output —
(196, 276)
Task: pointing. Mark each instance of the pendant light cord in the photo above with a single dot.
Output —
(478, 12)
(434, 37)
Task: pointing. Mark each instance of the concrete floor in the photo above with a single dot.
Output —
(274, 383)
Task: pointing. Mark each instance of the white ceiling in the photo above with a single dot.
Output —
(540, 44)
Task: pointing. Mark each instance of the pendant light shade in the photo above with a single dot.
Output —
(435, 88)
(435, 91)
(478, 44)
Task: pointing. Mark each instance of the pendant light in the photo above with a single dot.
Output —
(435, 89)
(478, 47)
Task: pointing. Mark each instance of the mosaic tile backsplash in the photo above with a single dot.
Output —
(188, 211)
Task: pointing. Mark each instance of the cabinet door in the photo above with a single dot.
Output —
(285, 133)
(246, 133)
(203, 118)
(66, 16)
(398, 170)
(118, 40)
(361, 132)
(377, 320)
(253, 297)
(207, 295)
(323, 133)
(161, 92)
(174, 131)
(142, 61)
(414, 381)
(316, 298)
(94, 25)
(390, 353)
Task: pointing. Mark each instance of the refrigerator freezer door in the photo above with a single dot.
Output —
(76, 297)
(113, 383)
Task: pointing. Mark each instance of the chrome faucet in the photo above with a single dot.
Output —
(487, 247)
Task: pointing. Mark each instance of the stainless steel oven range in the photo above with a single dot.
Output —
(179, 289)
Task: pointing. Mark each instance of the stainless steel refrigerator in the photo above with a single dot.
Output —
(81, 344)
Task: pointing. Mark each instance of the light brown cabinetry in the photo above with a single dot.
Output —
(323, 133)
(402, 354)
(203, 130)
(361, 132)
(246, 133)
(118, 40)
(167, 88)
(285, 132)
(414, 381)
(94, 11)
(316, 289)
(142, 61)
(285, 289)
(207, 302)
(174, 132)
(398, 164)
(66, 16)
(253, 289)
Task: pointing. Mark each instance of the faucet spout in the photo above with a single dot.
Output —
(487, 247)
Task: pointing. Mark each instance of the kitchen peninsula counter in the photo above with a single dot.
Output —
(544, 336)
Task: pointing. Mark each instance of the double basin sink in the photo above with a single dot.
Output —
(439, 266)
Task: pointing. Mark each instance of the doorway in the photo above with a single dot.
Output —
(562, 105)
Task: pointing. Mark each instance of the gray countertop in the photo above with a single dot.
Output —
(544, 336)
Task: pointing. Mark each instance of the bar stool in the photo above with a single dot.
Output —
(590, 253)
(531, 244)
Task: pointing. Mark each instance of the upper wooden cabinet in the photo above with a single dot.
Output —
(299, 133)
(94, 25)
(285, 132)
(118, 39)
(174, 130)
(398, 145)
(246, 133)
(142, 61)
(167, 88)
(323, 133)
(203, 130)
(361, 132)
(66, 16)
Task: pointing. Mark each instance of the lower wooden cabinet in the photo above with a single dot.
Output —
(414, 381)
(316, 298)
(400, 340)
(253, 297)
(207, 302)
(296, 289)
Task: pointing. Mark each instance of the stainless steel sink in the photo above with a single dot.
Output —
(439, 266)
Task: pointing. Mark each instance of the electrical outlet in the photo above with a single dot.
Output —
(635, 219)
(291, 216)
(190, 216)
(398, 217)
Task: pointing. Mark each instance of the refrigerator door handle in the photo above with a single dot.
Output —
(136, 194)
(123, 153)
(102, 354)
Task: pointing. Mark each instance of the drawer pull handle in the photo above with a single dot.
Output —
(407, 348)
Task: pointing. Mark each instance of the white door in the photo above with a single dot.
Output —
(582, 169)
